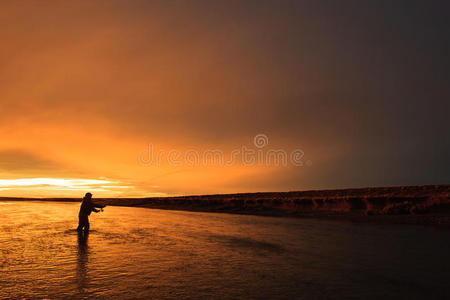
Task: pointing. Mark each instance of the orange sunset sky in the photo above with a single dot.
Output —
(87, 86)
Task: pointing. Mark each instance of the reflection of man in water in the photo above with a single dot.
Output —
(81, 275)
(87, 206)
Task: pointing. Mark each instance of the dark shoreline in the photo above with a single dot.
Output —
(420, 205)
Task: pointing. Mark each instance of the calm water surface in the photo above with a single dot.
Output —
(145, 253)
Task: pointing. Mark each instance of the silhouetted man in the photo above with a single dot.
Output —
(87, 206)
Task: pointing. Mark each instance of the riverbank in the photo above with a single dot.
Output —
(422, 205)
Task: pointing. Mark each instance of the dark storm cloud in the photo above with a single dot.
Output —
(362, 87)
(21, 163)
(18, 160)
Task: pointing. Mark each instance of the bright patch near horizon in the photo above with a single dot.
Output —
(58, 185)
(51, 181)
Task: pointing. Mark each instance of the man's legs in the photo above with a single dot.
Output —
(86, 225)
(80, 224)
(83, 222)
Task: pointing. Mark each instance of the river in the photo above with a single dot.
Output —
(161, 254)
